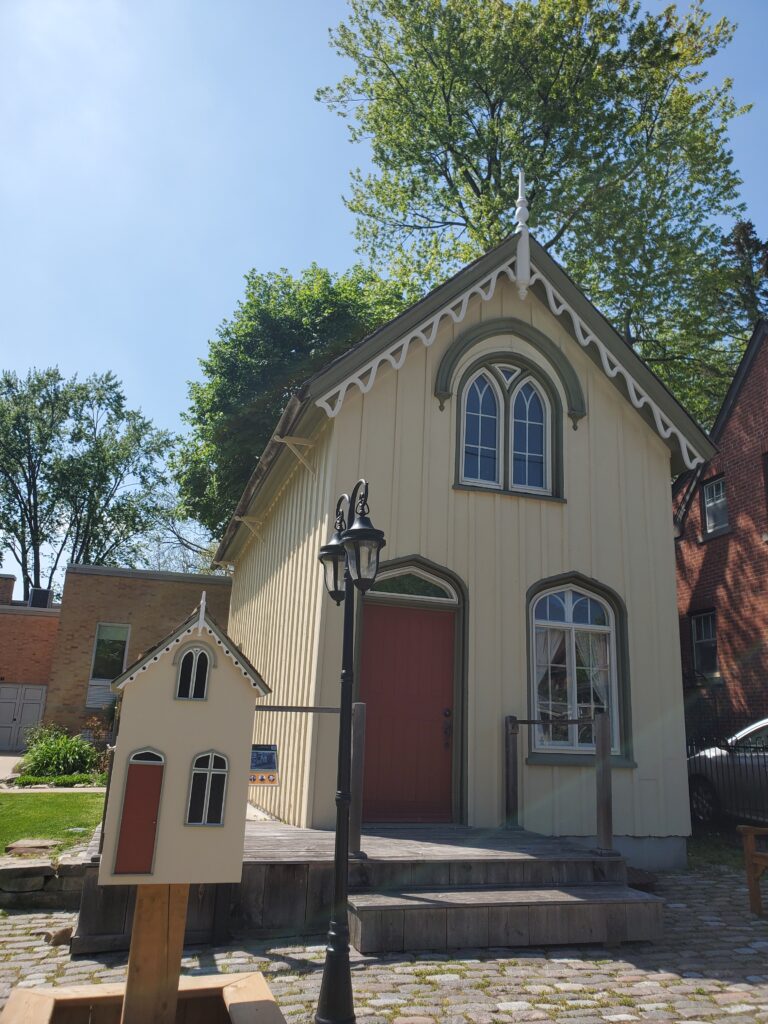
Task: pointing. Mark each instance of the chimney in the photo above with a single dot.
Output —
(40, 597)
(7, 581)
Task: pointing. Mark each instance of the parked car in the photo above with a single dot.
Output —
(730, 779)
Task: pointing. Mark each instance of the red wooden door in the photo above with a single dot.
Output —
(138, 825)
(406, 680)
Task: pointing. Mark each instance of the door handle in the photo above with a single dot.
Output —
(447, 712)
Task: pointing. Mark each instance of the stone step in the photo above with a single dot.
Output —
(380, 875)
(479, 917)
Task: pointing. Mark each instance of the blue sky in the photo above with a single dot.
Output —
(152, 152)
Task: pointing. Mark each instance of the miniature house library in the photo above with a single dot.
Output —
(175, 816)
(179, 787)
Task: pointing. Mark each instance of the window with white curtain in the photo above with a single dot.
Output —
(573, 670)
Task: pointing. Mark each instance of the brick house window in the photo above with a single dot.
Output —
(715, 505)
(704, 644)
(109, 651)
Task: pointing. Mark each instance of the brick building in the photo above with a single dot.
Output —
(27, 643)
(109, 618)
(721, 525)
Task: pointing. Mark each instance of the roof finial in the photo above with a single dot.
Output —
(201, 616)
(523, 261)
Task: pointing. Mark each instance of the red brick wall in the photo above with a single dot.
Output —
(6, 588)
(152, 604)
(729, 573)
(27, 643)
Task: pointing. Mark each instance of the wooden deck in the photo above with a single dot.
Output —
(287, 887)
(276, 843)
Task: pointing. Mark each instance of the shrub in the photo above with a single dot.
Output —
(51, 751)
(61, 781)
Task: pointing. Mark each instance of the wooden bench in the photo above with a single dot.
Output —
(756, 862)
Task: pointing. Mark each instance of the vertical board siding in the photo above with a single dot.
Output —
(615, 526)
(276, 615)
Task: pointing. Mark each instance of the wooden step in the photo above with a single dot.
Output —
(584, 868)
(478, 917)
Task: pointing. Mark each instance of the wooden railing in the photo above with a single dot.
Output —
(603, 781)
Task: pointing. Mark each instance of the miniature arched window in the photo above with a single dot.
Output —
(529, 437)
(574, 669)
(146, 757)
(207, 789)
(481, 431)
(507, 432)
(193, 675)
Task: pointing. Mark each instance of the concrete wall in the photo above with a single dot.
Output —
(151, 603)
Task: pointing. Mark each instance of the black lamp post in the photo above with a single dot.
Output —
(350, 559)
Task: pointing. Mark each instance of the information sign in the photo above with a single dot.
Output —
(263, 770)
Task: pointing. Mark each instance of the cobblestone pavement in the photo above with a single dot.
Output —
(712, 966)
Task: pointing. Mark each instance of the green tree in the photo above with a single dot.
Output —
(624, 145)
(79, 473)
(285, 328)
(747, 258)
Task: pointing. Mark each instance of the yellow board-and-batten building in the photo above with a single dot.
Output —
(519, 455)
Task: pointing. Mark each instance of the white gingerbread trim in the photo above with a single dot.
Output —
(612, 367)
(363, 379)
(332, 401)
(183, 636)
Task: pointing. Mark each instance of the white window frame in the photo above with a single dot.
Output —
(209, 773)
(697, 617)
(573, 746)
(707, 487)
(547, 488)
(498, 484)
(196, 650)
(99, 693)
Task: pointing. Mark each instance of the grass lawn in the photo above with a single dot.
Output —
(48, 816)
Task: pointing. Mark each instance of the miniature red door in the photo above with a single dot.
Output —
(406, 681)
(141, 804)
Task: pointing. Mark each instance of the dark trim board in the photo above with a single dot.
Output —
(444, 381)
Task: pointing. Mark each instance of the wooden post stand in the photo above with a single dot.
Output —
(603, 783)
(154, 961)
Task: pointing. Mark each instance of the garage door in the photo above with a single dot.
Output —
(21, 706)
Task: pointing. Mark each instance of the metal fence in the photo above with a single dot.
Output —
(728, 777)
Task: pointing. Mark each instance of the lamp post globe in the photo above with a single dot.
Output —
(362, 542)
(332, 557)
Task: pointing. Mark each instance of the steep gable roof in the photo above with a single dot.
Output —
(685, 485)
(199, 622)
(539, 273)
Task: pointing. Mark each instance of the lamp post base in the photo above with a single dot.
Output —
(336, 1004)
